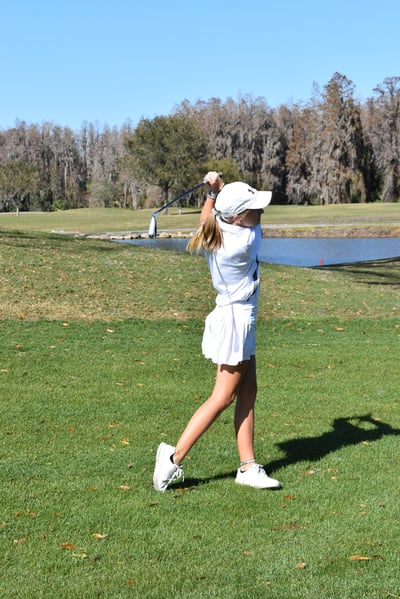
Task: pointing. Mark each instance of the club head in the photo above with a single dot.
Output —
(153, 227)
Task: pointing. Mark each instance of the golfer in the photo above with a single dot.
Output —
(230, 236)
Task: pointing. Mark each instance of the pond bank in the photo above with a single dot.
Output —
(328, 231)
(275, 231)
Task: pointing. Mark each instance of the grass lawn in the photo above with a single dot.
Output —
(380, 217)
(100, 361)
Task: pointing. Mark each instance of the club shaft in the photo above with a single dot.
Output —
(185, 193)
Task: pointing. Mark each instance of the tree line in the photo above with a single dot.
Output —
(330, 149)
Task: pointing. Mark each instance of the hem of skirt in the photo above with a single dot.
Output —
(227, 363)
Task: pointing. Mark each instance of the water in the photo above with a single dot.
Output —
(304, 252)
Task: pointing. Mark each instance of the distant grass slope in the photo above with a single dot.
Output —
(381, 218)
(62, 277)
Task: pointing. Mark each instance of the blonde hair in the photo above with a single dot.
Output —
(208, 236)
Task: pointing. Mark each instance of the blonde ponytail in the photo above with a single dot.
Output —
(208, 236)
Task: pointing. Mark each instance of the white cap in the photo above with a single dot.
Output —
(237, 197)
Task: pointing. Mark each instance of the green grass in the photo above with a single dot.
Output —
(100, 220)
(100, 361)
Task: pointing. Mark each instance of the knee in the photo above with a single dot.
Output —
(223, 401)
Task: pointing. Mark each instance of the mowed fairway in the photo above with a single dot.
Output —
(100, 361)
(365, 219)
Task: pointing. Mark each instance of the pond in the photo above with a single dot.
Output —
(304, 252)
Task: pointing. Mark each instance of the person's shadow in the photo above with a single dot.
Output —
(345, 431)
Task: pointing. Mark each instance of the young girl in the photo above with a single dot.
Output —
(230, 235)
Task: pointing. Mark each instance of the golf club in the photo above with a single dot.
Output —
(153, 220)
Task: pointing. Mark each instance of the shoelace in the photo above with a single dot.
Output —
(177, 474)
(258, 467)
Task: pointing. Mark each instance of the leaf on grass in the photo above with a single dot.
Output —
(301, 565)
(19, 541)
(125, 441)
(307, 473)
(5, 370)
(339, 328)
(97, 535)
(248, 553)
(182, 489)
(131, 582)
(359, 558)
(68, 546)
(31, 514)
(124, 487)
(81, 555)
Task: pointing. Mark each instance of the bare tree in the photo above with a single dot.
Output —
(300, 156)
(382, 116)
(340, 175)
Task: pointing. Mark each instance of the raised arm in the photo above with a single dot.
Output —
(215, 184)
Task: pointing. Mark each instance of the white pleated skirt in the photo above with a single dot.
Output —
(230, 333)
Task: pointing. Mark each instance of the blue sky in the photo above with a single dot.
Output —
(110, 62)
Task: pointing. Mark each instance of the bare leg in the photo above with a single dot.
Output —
(224, 392)
(244, 413)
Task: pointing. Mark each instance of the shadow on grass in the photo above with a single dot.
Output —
(374, 272)
(345, 432)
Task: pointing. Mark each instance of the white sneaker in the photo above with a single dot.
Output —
(165, 471)
(256, 477)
